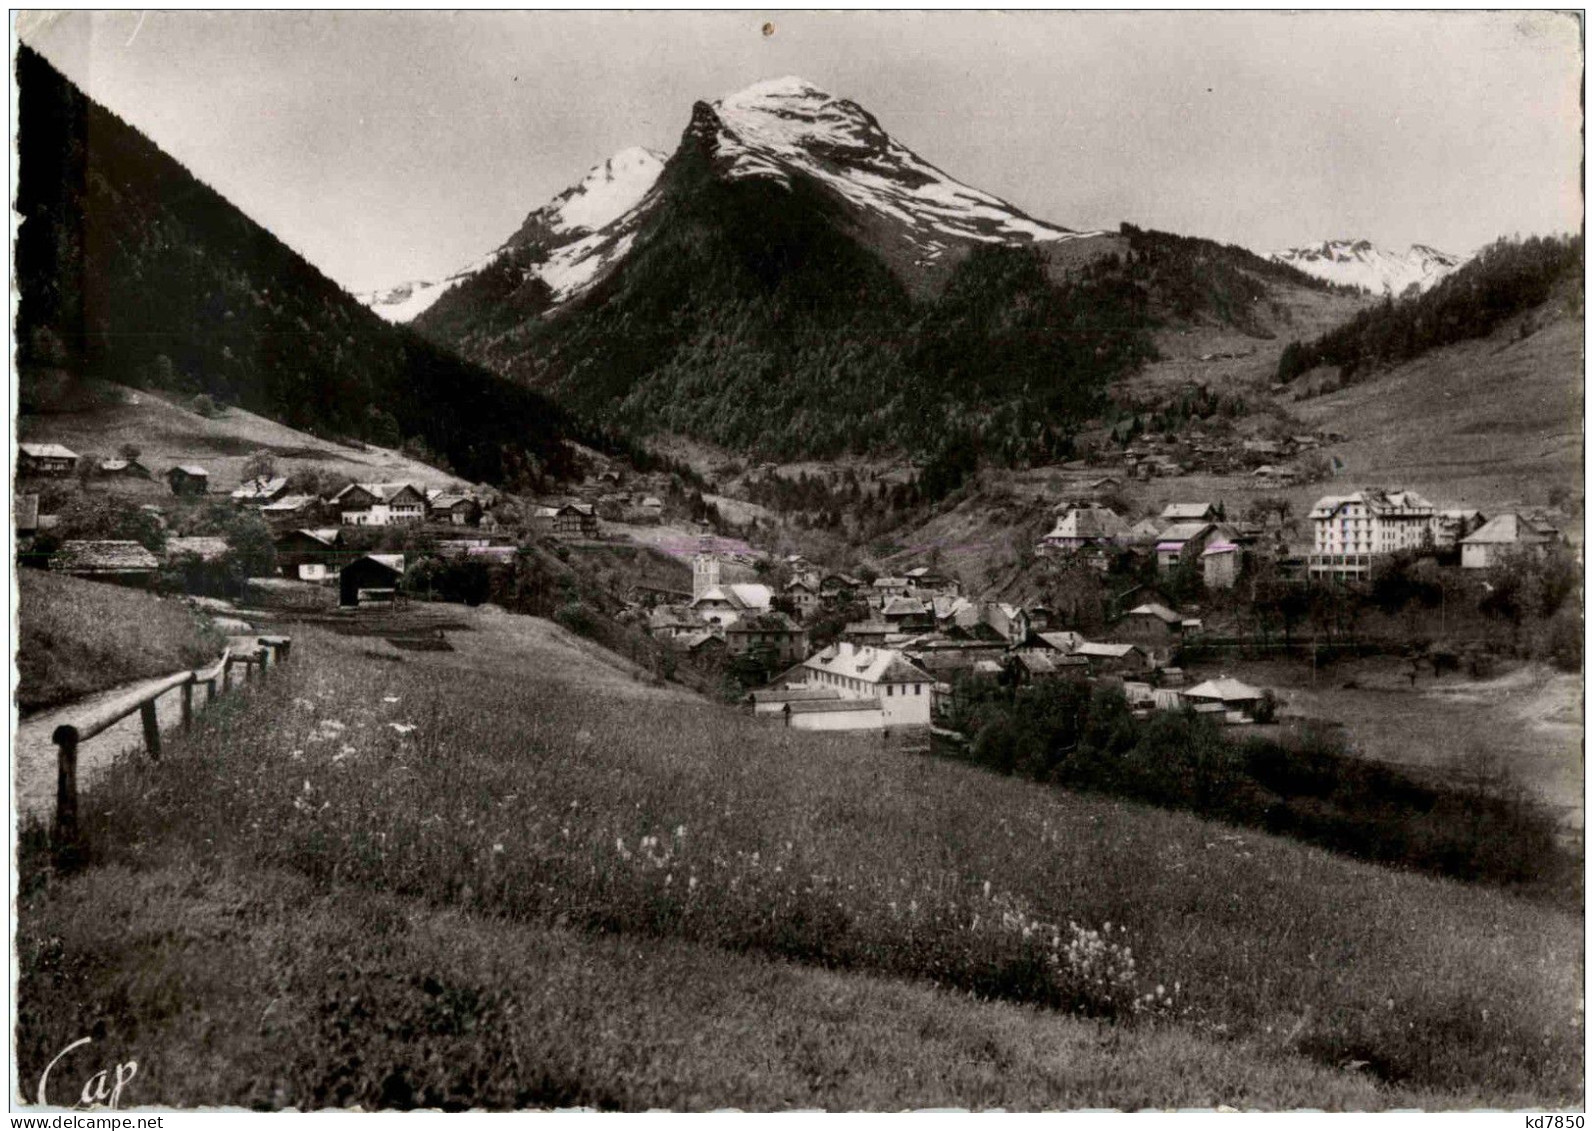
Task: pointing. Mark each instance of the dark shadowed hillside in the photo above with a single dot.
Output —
(132, 270)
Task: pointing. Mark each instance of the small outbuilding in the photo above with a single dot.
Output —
(374, 577)
(188, 479)
(123, 563)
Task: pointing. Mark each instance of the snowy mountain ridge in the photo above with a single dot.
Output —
(783, 126)
(574, 228)
(1360, 263)
(776, 130)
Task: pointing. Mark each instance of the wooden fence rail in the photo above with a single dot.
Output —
(68, 736)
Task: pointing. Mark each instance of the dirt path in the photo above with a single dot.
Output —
(33, 753)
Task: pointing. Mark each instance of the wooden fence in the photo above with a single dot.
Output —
(67, 736)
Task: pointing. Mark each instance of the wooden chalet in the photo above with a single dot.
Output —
(188, 479)
(47, 460)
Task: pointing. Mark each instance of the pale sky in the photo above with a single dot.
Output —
(387, 146)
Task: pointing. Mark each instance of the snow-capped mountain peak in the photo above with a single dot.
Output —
(573, 228)
(777, 130)
(789, 126)
(1360, 263)
(607, 192)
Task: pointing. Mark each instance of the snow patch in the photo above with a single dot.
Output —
(1359, 263)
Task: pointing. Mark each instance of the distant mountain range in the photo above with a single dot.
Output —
(1358, 263)
(793, 280)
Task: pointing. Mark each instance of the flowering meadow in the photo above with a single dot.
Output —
(525, 785)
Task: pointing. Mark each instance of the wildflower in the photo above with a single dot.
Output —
(680, 832)
(498, 847)
(390, 698)
(402, 728)
(691, 885)
(987, 889)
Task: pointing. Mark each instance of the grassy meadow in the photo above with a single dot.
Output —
(520, 874)
(78, 637)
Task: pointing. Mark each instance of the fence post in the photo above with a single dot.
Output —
(188, 702)
(226, 675)
(65, 738)
(152, 730)
(282, 649)
(264, 653)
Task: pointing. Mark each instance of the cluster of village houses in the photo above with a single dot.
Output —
(1196, 451)
(307, 529)
(884, 672)
(1349, 533)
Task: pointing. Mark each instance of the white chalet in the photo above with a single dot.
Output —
(902, 689)
(1085, 526)
(379, 504)
(1502, 534)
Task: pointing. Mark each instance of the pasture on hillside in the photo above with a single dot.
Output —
(450, 836)
(78, 637)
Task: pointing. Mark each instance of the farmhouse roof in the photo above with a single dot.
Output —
(260, 488)
(102, 557)
(1186, 512)
(46, 451)
(1505, 530)
(1104, 651)
(867, 663)
(827, 706)
(1220, 548)
(325, 537)
(1064, 642)
(288, 504)
(795, 695)
(750, 595)
(382, 491)
(1225, 689)
(1181, 532)
(206, 548)
(1090, 522)
(652, 501)
(904, 606)
(765, 622)
(192, 469)
(1161, 612)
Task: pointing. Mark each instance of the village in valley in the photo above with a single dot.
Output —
(854, 645)
(787, 628)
